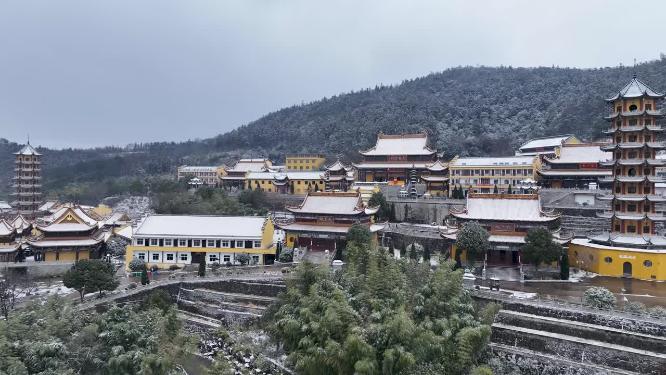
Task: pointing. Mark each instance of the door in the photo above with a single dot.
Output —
(626, 269)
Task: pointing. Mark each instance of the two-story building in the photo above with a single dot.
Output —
(236, 175)
(322, 220)
(166, 240)
(297, 182)
(394, 158)
(491, 174)
(507, 218)
(304, 162)
(208, 175)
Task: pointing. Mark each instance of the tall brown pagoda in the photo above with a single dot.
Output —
(635, 127)
(27, 180)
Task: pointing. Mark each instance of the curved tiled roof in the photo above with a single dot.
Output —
(635, 89)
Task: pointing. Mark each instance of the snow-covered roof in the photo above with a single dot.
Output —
(126, 232)
(493, 161)
(65, 242)
(395, 164)
(46, 206)
(635, 89)
(6, 229)
(581, 154)
(300, 227)
(300, 175)
(438, 166)
(191, 226)
(5, 206)
(337, 166)
(544, 142)
(20, 223)
(505, 207)
(400, 144)
(251, 165)
(78, 212)
(66, 227)
(575, 172)
(334, 203)
(27, 150)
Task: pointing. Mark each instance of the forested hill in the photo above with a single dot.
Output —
(466, 111)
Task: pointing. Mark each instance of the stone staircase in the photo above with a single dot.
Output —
(553, 341)
(241, 302)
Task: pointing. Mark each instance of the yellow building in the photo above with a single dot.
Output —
(167, 240)
(483, 174)
(646, 264)
(70, 234)
(631, 247)
(299, 183)
(304, 162)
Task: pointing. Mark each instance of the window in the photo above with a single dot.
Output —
(618, 108)
(631, 228)
(257, 244)
(648, 106)
(184, 257)
(648, 121)
(633, 108)
(608, 260)
(210, 243)
(141, 256)
(156, 257)
(248, 244)
(169, 257)
(633, 122)
(196, 243)
(225, 243)
(139, 241)
(213, 258)
(255, 259)
(631, 208)
(632, 138)
(631, 189)
(168, 242)
(647, 263)
(226, 258)
(646, 229)
(153, 242)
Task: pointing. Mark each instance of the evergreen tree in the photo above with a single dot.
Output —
(564, 266)
(144, 277)
(202, 267)
(426, 252)
(509, 190)
(92, 275)
(540, 248)
(392, 213)
(495, 189)
(473, 239)
(406, 217)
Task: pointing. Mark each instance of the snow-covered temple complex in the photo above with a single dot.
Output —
(507, 218)
(575, 165)
(631, 247)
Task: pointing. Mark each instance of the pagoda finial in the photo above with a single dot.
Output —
(634, 68)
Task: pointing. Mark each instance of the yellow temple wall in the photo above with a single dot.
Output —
(66, 256)
(593, 258)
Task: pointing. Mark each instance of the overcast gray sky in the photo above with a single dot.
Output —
(87, 73)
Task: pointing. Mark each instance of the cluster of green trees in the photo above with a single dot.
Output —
(56, 338)
(386, 211)
(208, 201)
(380, 316)
(92, 275)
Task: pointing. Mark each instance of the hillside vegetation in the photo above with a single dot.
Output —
(466, 111)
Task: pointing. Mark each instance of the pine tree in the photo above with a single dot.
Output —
(495, 189)
(426, 251)
(392, 213)
(509, 190)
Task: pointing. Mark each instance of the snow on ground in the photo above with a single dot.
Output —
(42, 289)
(576, 275)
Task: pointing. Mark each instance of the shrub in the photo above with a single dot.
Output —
(131, 286)
(634, 307)
(599, 297)
(174, 267)
(228, 264)
(286, 256)
(215, 266)
(657, 311)
(243, 259)
(137, 265)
